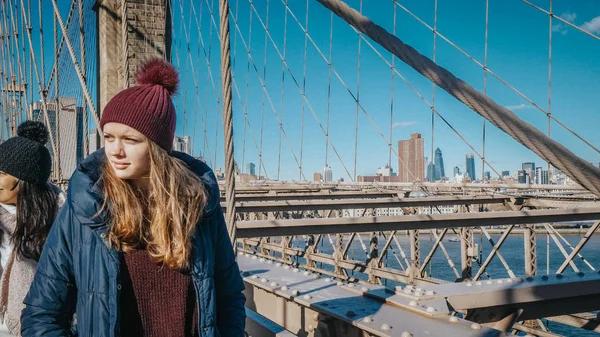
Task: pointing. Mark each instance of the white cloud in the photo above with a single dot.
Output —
(592, 26)
(519, 107)
(560, 27)
(568, 16)
(403, 124)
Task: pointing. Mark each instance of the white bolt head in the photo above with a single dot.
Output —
(469, 284)
(365, 289)
(351, 285)
(306, 273)
(316, 317)
(367, 320)
(310, 328)
(315, 276)
(475, 326)
(386, 327)
(418, 294)
(431, 309)
(273, 284)
(284, 288)
(453, 319)
(241, 253)
(269, 262)
(307, 297)
(478, 283)
(489, 282)
(430, 292)
(262, 260)
(407, 290)
(413, 303)
(264, 280)
(295, 292)
(254, 276)
(328, 280)
(278, 265)
(296, 270)
(406, 334)
(254, 257)
(499, 281)
(340, 283)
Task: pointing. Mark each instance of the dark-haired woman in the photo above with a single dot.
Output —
(28, 206)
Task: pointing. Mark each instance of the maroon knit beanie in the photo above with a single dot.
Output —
(147, 107)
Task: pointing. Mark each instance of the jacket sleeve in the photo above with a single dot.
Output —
(49, 305)
(229, 285)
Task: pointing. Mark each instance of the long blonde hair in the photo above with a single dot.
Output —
(162, 220)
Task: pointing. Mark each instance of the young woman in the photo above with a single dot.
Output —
(141, 247)
(28, 206)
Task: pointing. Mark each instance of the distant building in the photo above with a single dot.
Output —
(431, 172)
(522, 176)
(378, 178)
(456, 171)
(505, 173)
(386, 171)
(439, 165)
(488, 176)
(66, 127)
(411, 161)
(317, 177)
(470, 161)
(93, 141)
(529, 168)
(541, 176)
(251, 168)
(327, 174)
(183, 144)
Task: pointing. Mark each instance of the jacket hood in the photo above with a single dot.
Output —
(85, 195)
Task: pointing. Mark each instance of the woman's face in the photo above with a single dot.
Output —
(127, 150)
(9, 188)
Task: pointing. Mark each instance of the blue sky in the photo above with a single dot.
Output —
(517, 52)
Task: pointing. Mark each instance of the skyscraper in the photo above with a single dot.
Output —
(66, 128)
(471, 167)
(439, 165)
(522, 176)
(505, 173)
(488, 175)
(327, 174)
(541, 176)
(411, 161)
(183, 144)
(93, 141)
(251, 168)
(456, 171)
(431, 172)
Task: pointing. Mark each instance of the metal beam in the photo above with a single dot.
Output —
(245, 197)
(247, 229)
(302, 302)
(257, 325)
(307, 205)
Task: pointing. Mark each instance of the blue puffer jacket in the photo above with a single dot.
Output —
(78, 273)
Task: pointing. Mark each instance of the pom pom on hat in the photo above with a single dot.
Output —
(26, 156)
(33, 130)
(158, 72)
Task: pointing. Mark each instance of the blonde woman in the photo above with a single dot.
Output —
(141, 247)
